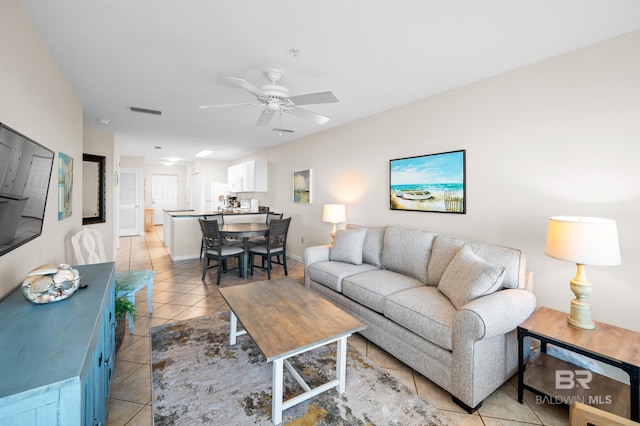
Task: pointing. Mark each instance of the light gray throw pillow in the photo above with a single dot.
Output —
(373, 242)
(468, 277)
(347, 246)
(407, 251)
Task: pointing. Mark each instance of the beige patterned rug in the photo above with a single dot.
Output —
(199, 379)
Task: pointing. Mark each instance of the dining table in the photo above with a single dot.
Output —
(244, 231)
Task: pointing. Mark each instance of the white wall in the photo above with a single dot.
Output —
(37, 101)
(559, 137)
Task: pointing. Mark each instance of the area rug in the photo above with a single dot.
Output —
(199, 379)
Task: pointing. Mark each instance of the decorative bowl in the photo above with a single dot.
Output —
(50, 283)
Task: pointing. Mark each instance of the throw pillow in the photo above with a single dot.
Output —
(468, 277)
(373, 242)
(407, 251)
(347, 246)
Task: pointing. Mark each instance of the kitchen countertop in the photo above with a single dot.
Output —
(192, 213)
(181, 231)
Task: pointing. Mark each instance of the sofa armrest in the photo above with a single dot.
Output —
(494, 314)
(485, 344)
(316, 254)
(313, 255)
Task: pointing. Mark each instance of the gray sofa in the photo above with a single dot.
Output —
(446, 307)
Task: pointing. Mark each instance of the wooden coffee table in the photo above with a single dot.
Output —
(284, 319)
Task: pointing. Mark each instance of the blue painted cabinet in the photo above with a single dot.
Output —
(56, 360)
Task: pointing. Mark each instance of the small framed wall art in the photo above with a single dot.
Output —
(302, 186)
(65, 186)
(429, 183)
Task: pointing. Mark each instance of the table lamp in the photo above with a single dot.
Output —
(334, 214)
(585, 241)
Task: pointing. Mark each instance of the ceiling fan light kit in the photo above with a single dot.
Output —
(273, 97)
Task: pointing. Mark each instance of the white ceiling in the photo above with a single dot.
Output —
(374, 55)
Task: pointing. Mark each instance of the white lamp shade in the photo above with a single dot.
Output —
(583, 240)
(334, 213)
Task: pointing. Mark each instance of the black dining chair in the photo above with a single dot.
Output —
(217, 216)
(255, 241)
(227, 241)
(275, 246)
(271, 216)
(216, 249)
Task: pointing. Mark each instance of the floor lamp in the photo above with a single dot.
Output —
(585, 241)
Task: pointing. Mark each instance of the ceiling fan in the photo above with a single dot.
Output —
(275, 98)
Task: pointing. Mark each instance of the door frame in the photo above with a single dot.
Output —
(139, 203)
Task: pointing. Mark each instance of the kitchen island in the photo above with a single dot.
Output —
(182, 235)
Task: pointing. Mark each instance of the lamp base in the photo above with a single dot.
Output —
(333, 233)
(580, 314)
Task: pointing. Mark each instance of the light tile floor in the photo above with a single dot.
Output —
(179, 293)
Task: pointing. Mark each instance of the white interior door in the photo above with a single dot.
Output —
(37, 186)
(129, 200)
(194, 193)
(164, 194)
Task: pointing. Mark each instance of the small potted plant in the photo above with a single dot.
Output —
(123, 307)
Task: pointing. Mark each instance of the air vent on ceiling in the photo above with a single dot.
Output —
(145, 110)
(275, 129)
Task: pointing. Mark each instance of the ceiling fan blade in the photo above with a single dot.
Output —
(313, 98)
(308, 115)
(247, 86)
(265, 118)
(226, 105)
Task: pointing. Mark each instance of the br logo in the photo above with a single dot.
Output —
(569, 379)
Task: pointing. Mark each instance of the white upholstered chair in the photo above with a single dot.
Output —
(89, 248)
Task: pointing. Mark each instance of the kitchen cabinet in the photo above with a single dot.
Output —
(57, 359)
(248, 177)
(234, 178)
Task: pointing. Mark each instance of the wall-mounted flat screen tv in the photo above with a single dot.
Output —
(25, 172)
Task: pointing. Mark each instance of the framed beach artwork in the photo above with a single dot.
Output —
(302, 186)
(428, 183)
(65, 185)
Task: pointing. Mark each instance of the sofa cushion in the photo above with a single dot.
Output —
(443, 251)
(468, 277)
(347, 246)
(330, 273)
(371, 288)
(445, 248)
(425, 311)
(373, 242)
(407, 252)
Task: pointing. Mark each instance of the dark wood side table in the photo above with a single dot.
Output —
(563, 382)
